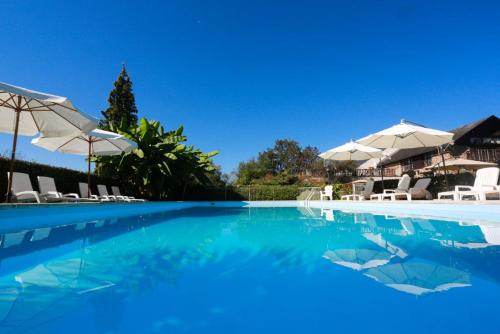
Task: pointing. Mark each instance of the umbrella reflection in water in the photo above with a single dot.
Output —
(358, 259)
(419, 277)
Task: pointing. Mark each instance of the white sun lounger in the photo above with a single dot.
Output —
(418, 189)
(83, 187)
(23, 190)
(103, 193)
(403, 186)
(48, 188)
(485, 183)
(365, 193)
(117, 193)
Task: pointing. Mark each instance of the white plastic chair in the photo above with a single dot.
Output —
(327, 193)
(485, 183)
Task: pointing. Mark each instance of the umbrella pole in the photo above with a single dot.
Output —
(382, 175)
(88, 169)
(13, 154)
(440, 150)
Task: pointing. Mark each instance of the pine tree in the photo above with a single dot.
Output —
(122, 111)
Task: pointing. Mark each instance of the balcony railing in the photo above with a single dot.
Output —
(375, 172)
(366, 173)
(484, 154)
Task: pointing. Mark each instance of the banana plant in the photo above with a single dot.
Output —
(161, 165)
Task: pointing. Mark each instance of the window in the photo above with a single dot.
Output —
(485, 140)
(475, 141)
(428, 159)
(407, 165)
(491, 140)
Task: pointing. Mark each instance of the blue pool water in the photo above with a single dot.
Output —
(130, 269)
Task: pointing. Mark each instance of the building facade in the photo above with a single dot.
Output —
(479, 141)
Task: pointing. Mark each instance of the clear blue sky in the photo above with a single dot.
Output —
(240, 74)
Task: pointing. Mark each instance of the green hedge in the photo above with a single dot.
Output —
(244, 193)
(66, 179)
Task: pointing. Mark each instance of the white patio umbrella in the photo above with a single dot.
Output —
(351, 151)
(409, 135)
(26, 112)
(96, 142)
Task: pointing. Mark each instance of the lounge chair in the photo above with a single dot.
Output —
(485, 183)
(327, 193)
(364, 194)
(84, 192)
(103, 193)
(403, 186)
(418, 191)
(48, 188)
(22, 190)
(117, 193)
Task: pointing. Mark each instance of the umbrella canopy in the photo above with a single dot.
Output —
(96, 142)
(53, 116)
(351, 151)
(407, 135)
(457, 164)
(419, 278)
(26, 112)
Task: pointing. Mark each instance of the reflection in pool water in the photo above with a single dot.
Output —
(240, 270)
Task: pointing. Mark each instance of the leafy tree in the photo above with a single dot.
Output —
(280, 164)
(309, 160)
(122, 111)
(288, 154)
(161, 165)
(249, 171)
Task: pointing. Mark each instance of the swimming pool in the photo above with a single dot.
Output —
(174, 268)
